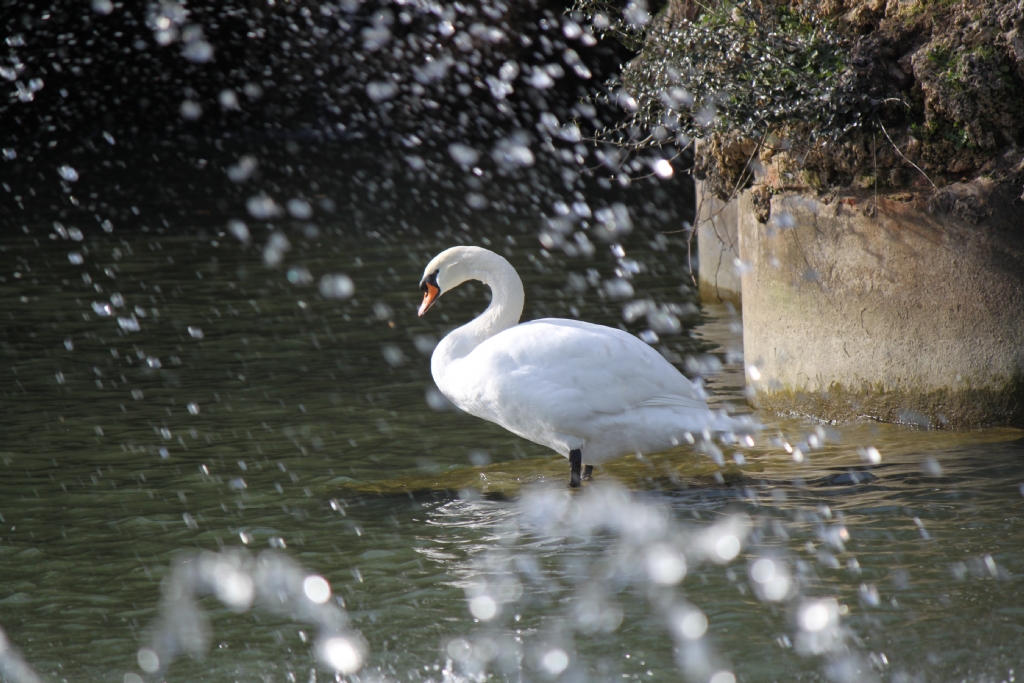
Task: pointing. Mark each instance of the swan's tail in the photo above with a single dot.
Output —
(705, 424)
(737, 424)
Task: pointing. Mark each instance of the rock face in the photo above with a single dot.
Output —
(897, 310)
(837, 94)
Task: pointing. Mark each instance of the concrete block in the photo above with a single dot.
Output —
(912, 315)
(718, 245)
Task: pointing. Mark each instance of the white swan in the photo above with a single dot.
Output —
(589, 392)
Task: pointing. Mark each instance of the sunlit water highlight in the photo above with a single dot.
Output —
(193, 398)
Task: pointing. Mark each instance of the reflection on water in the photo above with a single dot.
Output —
(172, 393)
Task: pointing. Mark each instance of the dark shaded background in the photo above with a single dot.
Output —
(151, 104)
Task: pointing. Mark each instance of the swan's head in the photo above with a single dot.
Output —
(451, 268)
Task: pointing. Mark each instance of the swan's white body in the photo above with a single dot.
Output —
(565, 384)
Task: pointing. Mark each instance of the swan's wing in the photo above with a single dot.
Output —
(562, 371)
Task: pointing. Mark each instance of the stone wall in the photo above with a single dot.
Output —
(886, 308)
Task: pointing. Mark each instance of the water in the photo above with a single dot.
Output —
(209, 282)
(247, 411)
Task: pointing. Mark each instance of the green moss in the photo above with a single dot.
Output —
(811, 178)
(939, 55)
(677, 469)
(966, 407)
(753, 64)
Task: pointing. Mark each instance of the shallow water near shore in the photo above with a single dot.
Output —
(249, 411)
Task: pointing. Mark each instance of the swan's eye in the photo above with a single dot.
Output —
(429, 281)
(430, 291)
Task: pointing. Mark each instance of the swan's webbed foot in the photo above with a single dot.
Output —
(588, 472)
(575, 463)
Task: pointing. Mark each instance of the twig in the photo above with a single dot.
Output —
(934, 186)
(697, 222)
(874, 163)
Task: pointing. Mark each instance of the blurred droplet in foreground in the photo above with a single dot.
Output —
(337, 287)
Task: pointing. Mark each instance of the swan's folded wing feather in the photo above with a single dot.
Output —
(572, 369)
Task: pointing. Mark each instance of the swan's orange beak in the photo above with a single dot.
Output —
(430, 294)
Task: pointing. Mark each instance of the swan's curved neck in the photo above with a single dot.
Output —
(504, 311)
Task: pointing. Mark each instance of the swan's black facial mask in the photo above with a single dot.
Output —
(430, 290)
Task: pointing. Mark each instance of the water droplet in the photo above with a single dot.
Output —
(690, 623)
(869, 454)
(379, 91)
(148, 660)
(438, 401)
(426, 343)
(727, 547)
(190, 110)
(129, 324)
(555, 661)
(262, 207)
(195, 332)
(393, 355)
(76, 258)
(228, 100)
(540, 79)
(316, 589)
(459, 650)
(483, 607)
(476, 201)
(235, 588)
(931, 467)
(299, 275)
(464, 155)
(68, 173)
(869, 595)
(275, 249)
(618, 288)
(649, 336)
(479, 458)
(198, 51)
(341, 654)
(818, 615)
(300, 208)
(242, 171)
(337, 286)
(665, 565)
(239, 230)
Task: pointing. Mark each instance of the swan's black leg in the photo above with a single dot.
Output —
(575, 462)
(588, 471)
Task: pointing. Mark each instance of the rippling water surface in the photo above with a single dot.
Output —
(249, 411)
